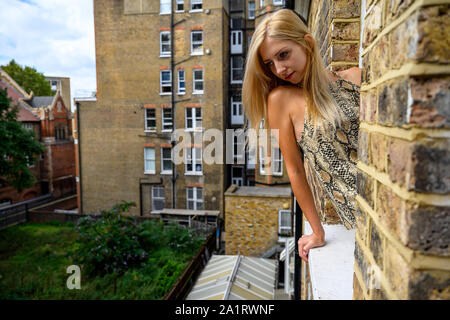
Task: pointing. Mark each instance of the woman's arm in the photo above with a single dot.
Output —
(280, 101)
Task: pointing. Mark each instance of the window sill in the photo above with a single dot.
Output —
(193, 173)
(181, 93)
(195, 10)
(149, 172)
(165, 93)
(197, 92)
(164, 55)
(166, 172)
(150, 131)
(331, 266)
(194, 130)
(197, 53)
(236, 82)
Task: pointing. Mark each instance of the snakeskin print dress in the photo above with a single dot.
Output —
(333, 152)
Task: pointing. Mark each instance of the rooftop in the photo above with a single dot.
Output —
(244, 191)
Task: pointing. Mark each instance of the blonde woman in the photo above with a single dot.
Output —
(311, 109)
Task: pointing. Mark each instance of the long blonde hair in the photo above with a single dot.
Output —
(259, 80)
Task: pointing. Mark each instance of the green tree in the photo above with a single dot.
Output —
(29, 79)
(18, 147)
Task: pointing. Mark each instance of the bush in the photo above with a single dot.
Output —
(110, 243)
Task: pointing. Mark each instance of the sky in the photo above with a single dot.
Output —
(56, 37)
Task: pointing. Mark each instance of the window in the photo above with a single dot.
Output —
(165, 6)
(166, 160)
(251, 10)
(60, 132)
(28, 126)
(237, 115)
(158, 199)
(180, 5)
(193, 160)
(150, 119)
(55, 84)
(236, 41)
(194, 198)
(166, 82)
(198, 81)
(277, 161)
(164, 47)
(196, 5)
(193, 119)
(149, 160)
(284, 222)
(278, 2)
(181, 82)
(237, 69)
(167, 122)
(197, 42)
(236, 176)
(261, 3)
(239, 147)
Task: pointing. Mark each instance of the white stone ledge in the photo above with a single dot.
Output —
(331, 266)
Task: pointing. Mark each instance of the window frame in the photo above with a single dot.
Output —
(147, 129)
(232, 69)
(176, 5)
(276, 150)
(145, 161)
(195, 119)
(164, 54)
(283, 229)
(197, 52)
(236, 47)
(237, 119)
(278, 2)
(165, 119)
(251, 17)
(161, 85)
(167, 3)
(194, 81)
(195, 198)
(181, 81)
(196, 2)
(190, 157)
(158, 197)
(166, 159)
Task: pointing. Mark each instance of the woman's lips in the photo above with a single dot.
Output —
(289, 76)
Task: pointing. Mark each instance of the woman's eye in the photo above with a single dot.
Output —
(269, 64)
(283, 54)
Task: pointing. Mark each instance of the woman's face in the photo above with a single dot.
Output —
(286, 59)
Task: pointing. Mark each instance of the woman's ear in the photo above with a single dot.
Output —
(309, 40)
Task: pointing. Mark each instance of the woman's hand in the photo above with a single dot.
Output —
(307, 242)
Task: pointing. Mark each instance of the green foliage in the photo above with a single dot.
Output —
(109, 244)
(29, 79)
(18, 147)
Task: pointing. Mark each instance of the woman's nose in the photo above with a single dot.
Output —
(280, 68)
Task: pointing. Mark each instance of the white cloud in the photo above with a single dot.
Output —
(54, 36)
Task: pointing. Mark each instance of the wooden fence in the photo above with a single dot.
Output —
(186, 280)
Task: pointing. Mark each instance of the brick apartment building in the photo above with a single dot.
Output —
(51, 120)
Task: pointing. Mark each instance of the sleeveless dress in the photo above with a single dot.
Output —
(333, 152)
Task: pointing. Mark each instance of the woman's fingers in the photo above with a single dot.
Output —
(301, 250)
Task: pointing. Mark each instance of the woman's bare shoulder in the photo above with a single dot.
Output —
(282, 101)
(352, 75)
(285, 94)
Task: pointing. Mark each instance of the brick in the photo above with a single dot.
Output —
(361, 222)
(378, 151)
(398, 153)
(373, 24)
(391, 212)
(430, 284)
(397, 272)
(376, 245)
(368, 106)
(392, 100)
(363, 146)
(379, 58)
(364, 186)
(345, 31)
(395, 8)
(378, 294)
(357, 290)
(363, 266)
(345, 8)
(345, 52)
(428, 229)
(431, 98)
(430, 168)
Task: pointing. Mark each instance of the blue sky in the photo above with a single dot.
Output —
(54, 36)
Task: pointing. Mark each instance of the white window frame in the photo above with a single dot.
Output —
(178, 2)
(195, 119)
(232, 69)
(161, 43)
(236, 40)
(194, 158)
(274, 160)
(193, 2)
(181, 92)
(163, 171)
(250, 10)
(197, 52)
(28, 126)
(194, 81)
(147, 118)
(196, 200)
(238, 144)
(166, 121)
(165, 83)
(261, 3)
(278, 2)
(151, 159)
(167, 4)
(157, 196)
(236, 118)
(281, 228)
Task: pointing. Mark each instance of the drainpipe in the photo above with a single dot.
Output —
(173, 102)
